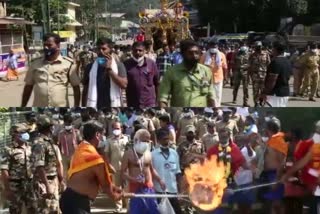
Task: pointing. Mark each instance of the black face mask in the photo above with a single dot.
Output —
(190, 138)
(208, 115)
(258, 49)
(192, 62)
(49, 52)
(226, 119)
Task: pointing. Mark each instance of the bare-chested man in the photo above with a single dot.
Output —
(87, 174)
(274, 162)
(137, 169)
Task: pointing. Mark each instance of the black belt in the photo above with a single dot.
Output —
(51, 177)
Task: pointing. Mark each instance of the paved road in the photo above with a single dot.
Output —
(11, 92)
(102, 205)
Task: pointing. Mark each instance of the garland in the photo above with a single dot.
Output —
(225, 156)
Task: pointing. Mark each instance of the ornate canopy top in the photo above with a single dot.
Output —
(169, 23)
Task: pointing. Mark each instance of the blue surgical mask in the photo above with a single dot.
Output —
(24, 137)
(102, 60)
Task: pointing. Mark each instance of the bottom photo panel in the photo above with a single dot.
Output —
(160, 161)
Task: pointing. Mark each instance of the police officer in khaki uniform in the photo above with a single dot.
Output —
(211, 138)
(310, 63)
(16, 172)
(202, 124)
(114, 151)
(187, 118)
(190, 150)
(227, 123)
(49, 77)
(48, 168)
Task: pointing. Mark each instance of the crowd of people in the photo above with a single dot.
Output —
(73, 154)
(177, 75)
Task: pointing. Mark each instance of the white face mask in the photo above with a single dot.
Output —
(267, 119)
(265, 139)
(140, 60)
(141, 147)
(316, 138)
(214, 50)
(55, 116)
(68, 128)
(116, 132)
(315, 51)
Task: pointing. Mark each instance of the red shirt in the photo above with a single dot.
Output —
(237, 159)
(302, 148)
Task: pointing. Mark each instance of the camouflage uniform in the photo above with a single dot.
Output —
(241, 74)
(16, 160)
(258, 70)
(187, 150)
(84, 59)
(185, 121)
(45, 154)
(310, 63)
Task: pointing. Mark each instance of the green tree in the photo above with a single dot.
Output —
(250, 15)
(31, 10)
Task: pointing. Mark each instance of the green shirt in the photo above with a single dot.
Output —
(187, 88)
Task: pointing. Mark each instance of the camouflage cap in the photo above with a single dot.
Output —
(190, 128)
(44, 120)
(20, 128)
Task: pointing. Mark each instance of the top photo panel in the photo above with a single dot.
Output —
(159, 53)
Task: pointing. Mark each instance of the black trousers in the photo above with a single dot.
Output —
(72, 202)
(174, 203)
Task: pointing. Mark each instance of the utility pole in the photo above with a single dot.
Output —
(58, 17)
(95, 21)
(106, 11)
(49, 17)
(111, 28)
(44, 16)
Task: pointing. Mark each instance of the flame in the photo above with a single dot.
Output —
(207, 182)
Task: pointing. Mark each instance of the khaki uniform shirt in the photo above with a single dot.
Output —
(239, 121)
(210, 140)
(182, 125)
(310, 62)
(201, 127)
(50, 81)
(231, 126)
(156, 123)
(115, 150)
(187, 151)
(147, 123)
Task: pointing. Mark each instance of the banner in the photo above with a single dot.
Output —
(65, 34)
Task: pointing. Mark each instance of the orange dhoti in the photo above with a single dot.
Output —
(12, 74)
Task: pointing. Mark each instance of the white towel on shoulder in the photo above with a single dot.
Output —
(115, 91)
